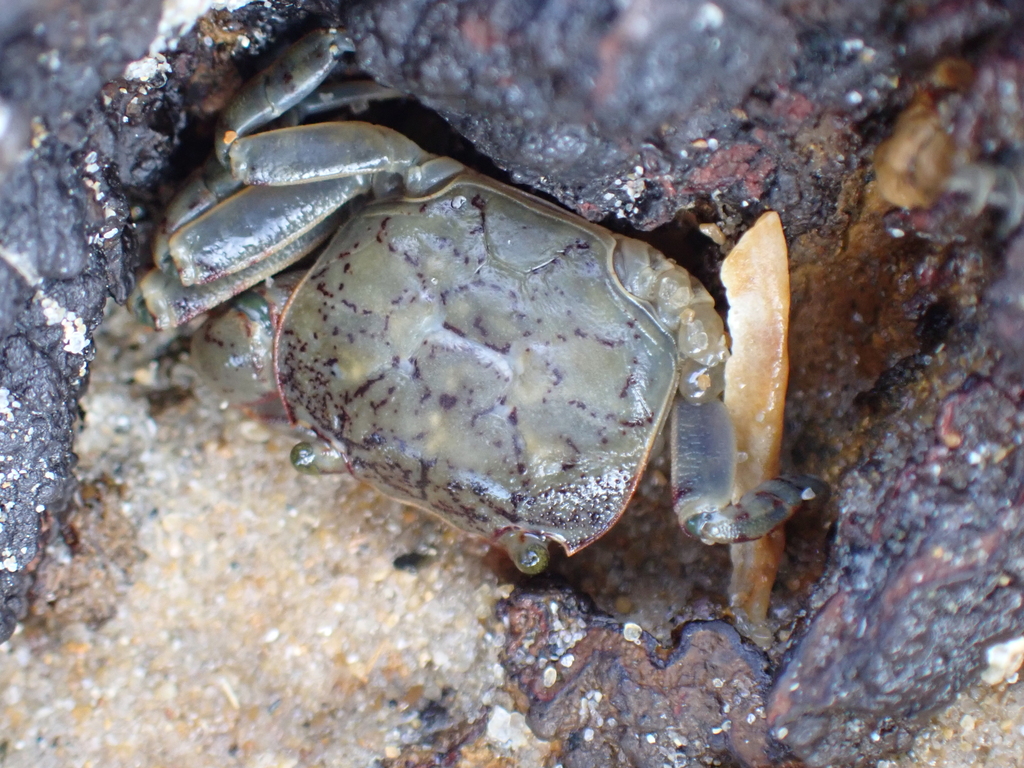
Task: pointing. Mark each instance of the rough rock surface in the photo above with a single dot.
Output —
(68, 237)
(889, 312)
(930, 554)
(922, 579)
(639, 112)
(612, 696)
(66, 246)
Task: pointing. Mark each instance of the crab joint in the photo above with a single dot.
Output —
(311, 459)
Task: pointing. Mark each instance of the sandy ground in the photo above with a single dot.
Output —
(264, 622)
(257, 616)
(223, 609)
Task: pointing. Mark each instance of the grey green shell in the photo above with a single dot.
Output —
(473, 353)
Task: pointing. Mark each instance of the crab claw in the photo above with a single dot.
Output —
(766, 507)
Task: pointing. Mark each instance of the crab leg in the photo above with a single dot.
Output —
(161, 301)
(991, 185)
(684, 307)
(213, 182)
(210, 184)
(253, 225)
(759, 512)
(322, 151)
(281, 86)
(355, 95)
(703, 449)
(703, 445)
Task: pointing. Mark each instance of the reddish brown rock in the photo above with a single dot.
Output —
(928, 574)
(614, 697)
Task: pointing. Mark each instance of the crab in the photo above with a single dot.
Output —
(464, 346)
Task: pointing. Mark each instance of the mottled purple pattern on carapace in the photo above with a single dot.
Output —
(473, 353)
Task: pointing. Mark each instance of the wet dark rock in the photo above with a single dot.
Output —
(614, 698)
(1007, 299)
(725, 98)
(782, 111)
(66, 244)
(572, 99)
(67, 239)
(55, 55)
(924, 575)
(929, 568)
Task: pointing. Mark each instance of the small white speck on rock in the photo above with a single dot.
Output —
(508, 729)
(632, 632)
(550, 677)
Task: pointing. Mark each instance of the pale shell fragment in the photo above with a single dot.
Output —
(756, 279)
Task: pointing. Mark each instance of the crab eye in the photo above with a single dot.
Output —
(528, 551)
